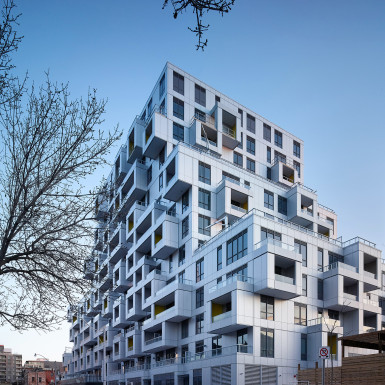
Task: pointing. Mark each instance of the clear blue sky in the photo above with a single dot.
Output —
(315, 68)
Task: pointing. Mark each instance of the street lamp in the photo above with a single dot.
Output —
(53, 369)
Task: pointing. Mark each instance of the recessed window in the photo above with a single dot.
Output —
(320, 259)
(204, 199)
(250, 124)
(304, 285)
(267, 233)
(200, 273)
(162, 85)
(184, 328)
(300, 314)
(250, 164)
(199, 323)
(267, 307)
(268, 200)
(149, 175)
(296, 149)
(178, 108)
(301, 248)
(160, 181)
(278, 138)
(267, 342)
(200, 115)
(182, 255)
(200, 95)
(237, 247)
(297, 166)
(320, 289)
(240, 112)
(217, 99)
(268, 155)
(238, 159)
(266, 132)
(204, 173)
(178, 83)
(203, 225)
(282, 205)
(185, 227)
(219, 258)
(178, 132)
(250, 145)
(304, 347)
(199, 297)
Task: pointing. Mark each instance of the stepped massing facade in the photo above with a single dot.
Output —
(213, 263)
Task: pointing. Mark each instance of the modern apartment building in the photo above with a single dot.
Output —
(10, 366)
(213, 262)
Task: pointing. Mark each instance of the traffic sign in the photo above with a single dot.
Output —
(324, 352)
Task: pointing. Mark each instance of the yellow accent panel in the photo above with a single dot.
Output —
(147, 137)
(88, 304)
(291, 178)
(105, 303)
(74, 319)
(158, 237)
(332, 342)
(216, 309)
(130, 342)
(159, 309)
(131, 147)
(130, 225)
(101, 339)
(235, 130)
(96, 266)
(245, 206)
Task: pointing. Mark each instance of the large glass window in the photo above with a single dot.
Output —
(267, 342)
(149, 175)
(266, 233)
(184, 328)
(297, 166)
(219, 258)
(178, 108)
(200, 270)
(237, 247)
(178, 131)
(304, 285)
(242, 341)
(304, 347)
(203, 225)
(204, 199)
(250, 145)
(217, 345)
(282, 205)
(200, 95)
(300, 314)
(238, 159)
(278, 138)
(182, 255)
(185, 227)
(334, 258)
(250, 164)
(296, 149)
(162, 85)
(200, 297)
(301, 248)
(268, 200)
(267, 307)
(178, 83)
(266, 132)
(185, 201)
(320, 260)
(204, 173)
(320, 289)
(268, 155)
(250, 124)
(199, 324)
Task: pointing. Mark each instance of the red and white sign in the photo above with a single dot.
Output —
(324, 352)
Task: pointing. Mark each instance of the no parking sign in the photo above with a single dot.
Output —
(324, 352)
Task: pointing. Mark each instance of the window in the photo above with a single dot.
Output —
(199, 297)
(197, 375)
(335, 258)
(182, 276)
(278, 138)
(304, 347)
(242, 340)
(178, 132)
(268, 173)
(199, 323)
(240, 144)
(162, 107)
(250, 164)
(184, 328)
(240, 112)
(296, 149)
(282, 205)
(301, 248)
(320, 290)
(204, 173)
(268, 200)
(267, 342)
(162, 156)
(185, 227)
(200, 270)
(170, 268)
(333, 314)
(200, 115)
(160, 181)
(268, 155)
(278, 157)
(216, 345)
(149, 107)
(162, 85)
(266, 233)
(297, 166)
(203, 225)
(182, 255)
(240, 274)
(217, 99)
(320, 260)
(237, 247)
(149, 175)
(238, 159)
(200, 95)
(185, 201)
(178, 108)
(250, 123)
(304, 285)
(266, 132)
(204, 199)
(300, 314)
(267, 307)
(178, 83)
(250, 145)
(219, 258)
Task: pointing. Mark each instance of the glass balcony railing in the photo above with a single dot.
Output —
(282, 278)
(222, 316)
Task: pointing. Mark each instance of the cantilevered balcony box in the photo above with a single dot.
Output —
(108, 304)
(118, 243)
(204, 133)
(165, 237)
(133, 343)
(134, 310)
(135, 140)
(179, 173)
(155, 135)
(165, 337)
(277, 270)
(89, 339)
(232, 198)
(121, 166)
(121, 284)
(119, 319)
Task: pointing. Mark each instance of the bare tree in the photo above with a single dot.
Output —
(199, 7)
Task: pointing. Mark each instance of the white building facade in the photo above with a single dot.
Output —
(213, 262)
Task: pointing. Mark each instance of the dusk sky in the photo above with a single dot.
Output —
(315, 68)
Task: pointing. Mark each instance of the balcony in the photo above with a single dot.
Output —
(203, 131)
(229, 130)
(178, 174)
(155, 135)
(108, 303)
(134, 345)
(135, 140)
(121, 165)
(165, 238)
(166, 337)
(119, 313)
(118, 243)
(341, 291)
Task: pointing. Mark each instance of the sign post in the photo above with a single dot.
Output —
(324, 353)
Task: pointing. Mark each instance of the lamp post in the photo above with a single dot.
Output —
(53, 369)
